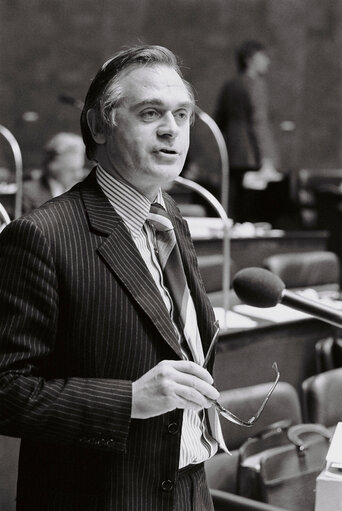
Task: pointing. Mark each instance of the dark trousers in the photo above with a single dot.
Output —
(192, 492)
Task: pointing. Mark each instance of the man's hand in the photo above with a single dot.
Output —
(172, 384)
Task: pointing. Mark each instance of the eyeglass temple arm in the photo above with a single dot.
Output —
(257, 415)
(253, 419)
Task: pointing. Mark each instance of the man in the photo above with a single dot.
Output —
(242, 115)
(99, 378)
(62, 167)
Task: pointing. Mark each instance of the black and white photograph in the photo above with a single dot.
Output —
(170, 255)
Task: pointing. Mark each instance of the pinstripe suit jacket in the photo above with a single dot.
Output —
(80, 319)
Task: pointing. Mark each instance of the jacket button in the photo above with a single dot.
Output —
(167, 485)
(173, 428)
(110, 442)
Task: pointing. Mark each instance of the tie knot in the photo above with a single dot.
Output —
(159, 218)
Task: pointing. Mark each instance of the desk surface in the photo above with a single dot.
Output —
(245, 356)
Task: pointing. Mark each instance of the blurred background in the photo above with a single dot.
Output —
(54, 47)
(50, 51)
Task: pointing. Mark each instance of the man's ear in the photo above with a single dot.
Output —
(99, 138)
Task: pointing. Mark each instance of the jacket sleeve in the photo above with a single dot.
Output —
(93, 411)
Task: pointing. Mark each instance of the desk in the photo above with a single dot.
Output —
(245, 357)
(245, 252)
(329, 214)
(252, 251)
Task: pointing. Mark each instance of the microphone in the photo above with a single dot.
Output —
(262, 288)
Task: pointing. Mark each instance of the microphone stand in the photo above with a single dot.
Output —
(18, 169)
(188, 183)
(222, 147)
(220, 208)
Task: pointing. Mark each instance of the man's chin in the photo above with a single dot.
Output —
(167, 173)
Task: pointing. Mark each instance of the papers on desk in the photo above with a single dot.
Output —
(241, 316)
(205, 227)
(278, 314)
(233, 319)
(334, 455)
(329, 481)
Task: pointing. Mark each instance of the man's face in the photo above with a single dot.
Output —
(261, 62)
(148, 145)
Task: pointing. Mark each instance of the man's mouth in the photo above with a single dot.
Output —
(167, 151)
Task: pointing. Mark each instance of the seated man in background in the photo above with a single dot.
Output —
(62, 167)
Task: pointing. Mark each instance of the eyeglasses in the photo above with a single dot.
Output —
(226, 413)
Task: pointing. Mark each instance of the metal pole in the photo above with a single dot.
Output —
(18, 168)
(223, 154)
(226, 238)
(222, 208)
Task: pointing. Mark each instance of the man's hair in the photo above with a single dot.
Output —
(245, 51)
(105, 91)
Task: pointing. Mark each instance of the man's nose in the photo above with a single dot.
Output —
(168, 125)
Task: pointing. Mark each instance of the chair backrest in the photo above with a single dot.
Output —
(305, 269)
(322, 401)
(211, 269)
(283, 405)
(328, 354)
(224, 501)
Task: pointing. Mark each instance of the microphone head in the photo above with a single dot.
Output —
(258, 287)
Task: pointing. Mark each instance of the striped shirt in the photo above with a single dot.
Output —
(197, 445)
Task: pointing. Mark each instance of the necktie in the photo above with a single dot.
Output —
(175, 279)
(173, 271)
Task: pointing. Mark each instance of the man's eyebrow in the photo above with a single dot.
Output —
(154, 101)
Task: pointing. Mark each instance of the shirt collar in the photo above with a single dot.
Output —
(129, 203)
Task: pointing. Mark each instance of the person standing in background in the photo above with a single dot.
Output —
(242, 115)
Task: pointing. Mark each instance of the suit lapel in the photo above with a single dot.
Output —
(122, 257)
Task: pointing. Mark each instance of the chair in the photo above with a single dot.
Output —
(322, 398)
(308, 184)
(224, 501)
(328, 354)
(210, 267)
(306, 269)
(222, 469)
